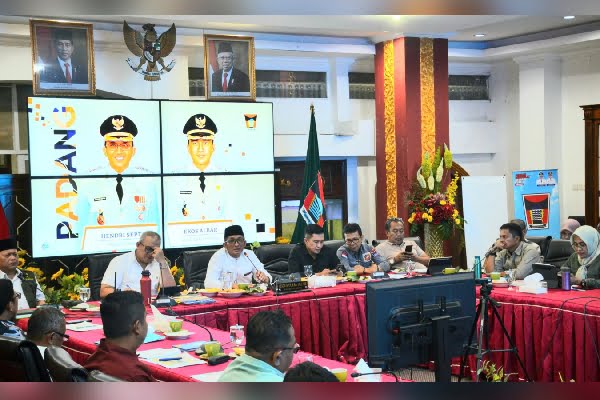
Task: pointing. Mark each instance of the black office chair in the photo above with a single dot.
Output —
(195, 264)
(97, 264)
(21, 361)
(62, 367)
(333, 244)
(542, 241)
(275, 257)
(99, 376)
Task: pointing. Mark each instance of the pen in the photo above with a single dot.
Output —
(169, 359)
(77, 321)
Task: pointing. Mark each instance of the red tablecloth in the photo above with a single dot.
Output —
(81, 345)
(554, 333)
(329, 322)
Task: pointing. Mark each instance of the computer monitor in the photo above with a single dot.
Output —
(413, 321)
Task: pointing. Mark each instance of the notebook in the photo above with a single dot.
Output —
(437, 265)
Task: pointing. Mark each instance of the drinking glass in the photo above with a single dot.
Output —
(308, 271)
(227, 280)
(236, 334)
(410, 268)
(510, 278)
(84, 294)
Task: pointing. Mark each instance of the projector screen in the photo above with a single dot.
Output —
(101, 170)
(243, 141)
(198, 218)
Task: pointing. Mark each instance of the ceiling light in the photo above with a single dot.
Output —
(479, 35)
(569, 17)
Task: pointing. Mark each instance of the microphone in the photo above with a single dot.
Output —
(210, 336)
(357, 374)
(253, 266)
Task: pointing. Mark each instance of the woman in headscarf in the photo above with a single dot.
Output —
(585, 262)
(568, 227)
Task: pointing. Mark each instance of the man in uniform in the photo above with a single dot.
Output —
(515, 253)
(228, 79)
(358, 256)
(393, 248)
(201, 130)
(24, 282)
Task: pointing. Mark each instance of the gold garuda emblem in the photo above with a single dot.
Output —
(151, 49)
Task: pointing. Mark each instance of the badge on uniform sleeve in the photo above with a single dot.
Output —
(366, 257)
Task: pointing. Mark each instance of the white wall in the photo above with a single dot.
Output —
(580, 86)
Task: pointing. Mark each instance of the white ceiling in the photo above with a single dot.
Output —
(372, 28)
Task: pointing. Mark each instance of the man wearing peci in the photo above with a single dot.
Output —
(312, 252)
(62, 69)
(124, 271)
(242, 265)
(24, 282)
(227, 78)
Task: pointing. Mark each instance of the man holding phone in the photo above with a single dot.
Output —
(398, 251)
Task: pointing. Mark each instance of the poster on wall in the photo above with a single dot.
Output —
(212, 137)
(536, 201)
(93, 137)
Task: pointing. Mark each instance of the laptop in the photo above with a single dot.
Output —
(437, 265)
(549, 272)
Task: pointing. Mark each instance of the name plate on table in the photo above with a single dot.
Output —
(286, 286)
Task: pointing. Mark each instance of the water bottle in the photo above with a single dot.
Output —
(566, 278)
(477, 267)
(146, 287)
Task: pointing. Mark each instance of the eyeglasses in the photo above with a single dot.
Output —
(579, 245)
(236, 241)
(147, 249)
(18, 295)
(64, 337)
(354, 240)
(294, 349)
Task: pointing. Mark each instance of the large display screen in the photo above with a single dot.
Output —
(88, 215)
(73, 137)
(101, 170)
(200, 215)
(213, 137)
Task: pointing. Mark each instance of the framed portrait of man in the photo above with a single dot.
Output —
(229, 70)
(63, 58)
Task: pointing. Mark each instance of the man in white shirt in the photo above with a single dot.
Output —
(541, 181)
(243, 265)
(24, 282)
(124, 271)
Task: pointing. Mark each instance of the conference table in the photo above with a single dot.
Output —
(330, 322)
(555, 333)
(82, 344)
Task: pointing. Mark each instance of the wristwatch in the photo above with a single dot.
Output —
(583, 284)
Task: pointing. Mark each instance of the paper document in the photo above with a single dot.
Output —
(83, 327)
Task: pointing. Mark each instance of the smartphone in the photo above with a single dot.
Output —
(408, 248)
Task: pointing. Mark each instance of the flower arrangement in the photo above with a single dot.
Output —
(490, 373)
(428, 202)
(178, 274)
(61, 286)
(282, 240)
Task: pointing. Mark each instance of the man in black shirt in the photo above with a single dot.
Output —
(312, 252)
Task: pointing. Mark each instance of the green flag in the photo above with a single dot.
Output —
(312, 198)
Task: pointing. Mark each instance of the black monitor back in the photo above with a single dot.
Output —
(396, 336)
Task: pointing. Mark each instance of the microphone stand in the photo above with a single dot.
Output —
(210, 336)
(357, 374)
